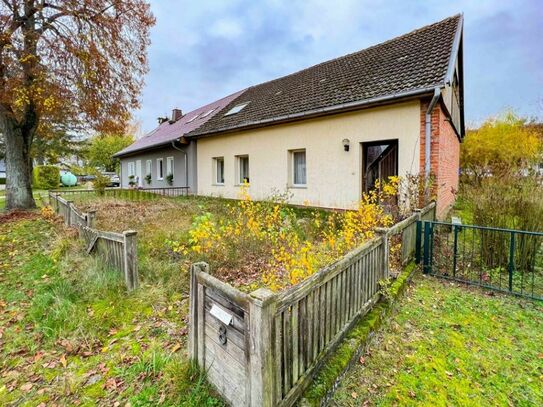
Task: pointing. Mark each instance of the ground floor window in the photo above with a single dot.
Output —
(299, 172)
(159, 169)
(131, 169)
(169, 167)
(148, 168)
(219, 170)
(243, 169)
(379, 161)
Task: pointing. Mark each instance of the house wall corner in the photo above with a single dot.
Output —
(444, 159)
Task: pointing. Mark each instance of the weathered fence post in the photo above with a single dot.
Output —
(261, 373)
(418, 237)
(130, 259)
(386, 250)
(196, 315)
(91, 219)
(193, 313)
(68, 215)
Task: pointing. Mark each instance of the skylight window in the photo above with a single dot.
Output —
(192, 118)
(207, 113)
(236, 109)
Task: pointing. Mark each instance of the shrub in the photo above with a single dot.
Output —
(169, 179)
(278, 246)
(510, 202)
(148, 179)
(46, 177)
(100, 183)
(501, 146)
(2, 181)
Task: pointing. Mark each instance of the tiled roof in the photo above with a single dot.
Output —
(166, 132)
(415, 61)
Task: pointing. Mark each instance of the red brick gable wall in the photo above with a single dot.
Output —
(444, 158)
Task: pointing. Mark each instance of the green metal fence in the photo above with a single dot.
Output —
(504, 260)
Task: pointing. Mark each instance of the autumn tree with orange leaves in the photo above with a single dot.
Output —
(75, 63)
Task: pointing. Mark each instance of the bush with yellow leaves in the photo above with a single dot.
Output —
(276, 243)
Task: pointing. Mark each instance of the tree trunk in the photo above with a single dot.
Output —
(18, 165)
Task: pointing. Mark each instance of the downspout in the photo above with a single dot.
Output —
(186, 163)
(428, 133)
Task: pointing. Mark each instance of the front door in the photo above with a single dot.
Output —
(379, 162)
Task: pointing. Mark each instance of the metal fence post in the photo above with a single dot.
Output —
(455, 248)
(426, 266)
(511, 261)
(130, 259)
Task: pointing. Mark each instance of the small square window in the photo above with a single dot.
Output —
(243, 169)
(299, 170)
(219, 170)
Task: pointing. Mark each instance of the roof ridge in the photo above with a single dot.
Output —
(427, 26)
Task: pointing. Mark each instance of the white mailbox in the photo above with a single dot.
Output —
(221, 315)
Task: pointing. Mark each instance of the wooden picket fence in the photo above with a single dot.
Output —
(117, 250)
(264, 348)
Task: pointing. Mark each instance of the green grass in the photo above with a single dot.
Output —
(450, 345)
(71, 334)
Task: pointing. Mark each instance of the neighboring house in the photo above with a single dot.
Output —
(164, 150)
(328, 132)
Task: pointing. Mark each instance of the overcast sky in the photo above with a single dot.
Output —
(204, 50)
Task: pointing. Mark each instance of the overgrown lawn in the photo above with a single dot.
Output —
(70, 334)
(448, 345)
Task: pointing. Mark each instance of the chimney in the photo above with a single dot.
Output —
(176, 114)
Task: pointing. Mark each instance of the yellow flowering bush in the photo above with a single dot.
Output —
(278, 244)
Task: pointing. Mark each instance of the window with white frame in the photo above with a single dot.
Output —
(299, 171)
(131, 169)
(243, 169)
(159, 169)
(149, 168)
(169, 167)
(218, 163)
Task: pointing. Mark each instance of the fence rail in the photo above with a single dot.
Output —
(127, 192)
(263, 349)
(117, 250)
(505, 260)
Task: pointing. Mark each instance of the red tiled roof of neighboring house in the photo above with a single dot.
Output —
(417, 61)
(167, 132)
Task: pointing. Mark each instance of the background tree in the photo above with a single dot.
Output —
(101, 149)
(501, 146)
(74, 62)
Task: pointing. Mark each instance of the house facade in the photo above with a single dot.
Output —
(327, 133)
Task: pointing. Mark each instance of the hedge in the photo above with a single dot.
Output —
(46, 177)
(2, 181)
